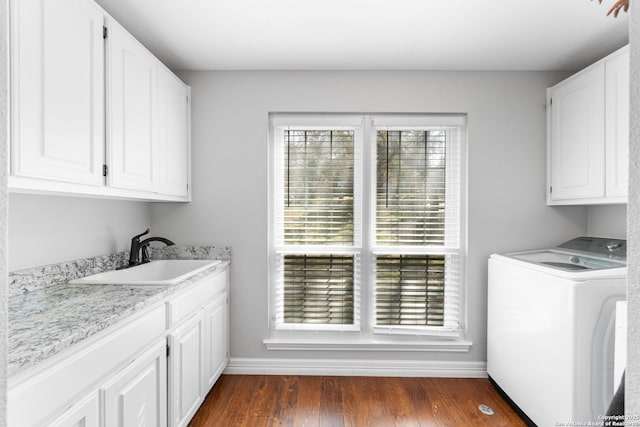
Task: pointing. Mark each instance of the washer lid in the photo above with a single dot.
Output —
(567, 261)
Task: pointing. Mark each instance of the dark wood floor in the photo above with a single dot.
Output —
(253, 401)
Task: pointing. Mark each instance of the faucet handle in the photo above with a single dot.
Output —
(135, 248)
(137, 238)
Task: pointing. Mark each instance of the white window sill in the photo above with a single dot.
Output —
(426, 344)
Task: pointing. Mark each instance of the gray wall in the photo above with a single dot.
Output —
(607, 221)
(49, 229)
(506, 193)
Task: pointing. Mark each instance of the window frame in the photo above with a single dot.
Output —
(455, 126)
(277, 248)
(365, 334)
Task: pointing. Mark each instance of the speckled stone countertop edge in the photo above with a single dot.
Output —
(46, 320)
(37, 278)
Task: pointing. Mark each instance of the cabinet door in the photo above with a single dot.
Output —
(186, 391)
(138, 395)
(131, 101)
(173, 134)
(576, 149)
(85, 413)
(57, 95)
(217, 339)
(617, 124)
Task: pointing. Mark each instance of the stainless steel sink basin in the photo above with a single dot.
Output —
(163, 272)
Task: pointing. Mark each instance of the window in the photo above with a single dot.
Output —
(366, 224)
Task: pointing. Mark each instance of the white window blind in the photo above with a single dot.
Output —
(412, 213)
(318, 289)
(410, 290)
(318, 187)
(411, 177)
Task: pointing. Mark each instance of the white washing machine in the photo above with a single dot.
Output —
(550, 335)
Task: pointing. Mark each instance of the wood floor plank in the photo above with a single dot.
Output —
(265, 393)
(307, 411)
(331, 407)
(400, 402)
(283, 413)
(426, 398)
(312, 401)
(374, 401)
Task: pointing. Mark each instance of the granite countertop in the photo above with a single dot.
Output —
(45, 320)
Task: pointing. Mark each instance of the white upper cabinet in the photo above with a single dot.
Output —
(131, 100)
(577, 136)
(57, 95)
(172, 161)
(588, 134)
(72, 66)
(617, 129)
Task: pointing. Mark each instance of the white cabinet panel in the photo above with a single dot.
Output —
(186, 391)
(217, 339)
(173, 134)
(588, 134)
(85, 413)
(577, 135)
(131, 100)
(617, 130)
(137, 396)
(57, 95)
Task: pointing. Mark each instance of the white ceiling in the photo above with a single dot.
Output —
(373, 34)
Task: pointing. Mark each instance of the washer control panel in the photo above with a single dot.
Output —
(612, 248)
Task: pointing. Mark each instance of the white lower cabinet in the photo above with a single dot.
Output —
(199, 346)
(85, 413)
(152, 370)
(216, 317)
(187, 361)
(137, 396)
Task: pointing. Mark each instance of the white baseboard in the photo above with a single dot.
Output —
(357, 367)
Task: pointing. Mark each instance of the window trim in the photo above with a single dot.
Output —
(278, 124)
(453, 245)
(366, 335)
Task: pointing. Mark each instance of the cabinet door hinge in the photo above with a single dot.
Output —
(550, 101)
(550, 189)
(168, 350)
(105, 170)
(105, 32)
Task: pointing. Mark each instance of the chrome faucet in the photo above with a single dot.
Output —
(141, 247)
